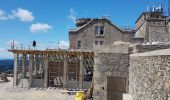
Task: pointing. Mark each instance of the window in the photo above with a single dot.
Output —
(96, 42)
(99, 30)
(79, 45)
(101, 42)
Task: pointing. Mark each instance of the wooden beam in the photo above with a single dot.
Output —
(31, 59)
(51, 52)
(81, 73)
(15, 69)
(65, 76)
(46, 71)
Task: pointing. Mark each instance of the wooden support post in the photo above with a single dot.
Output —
(31, 59)
(46, 70)
(81, 73)
(23, 65)
(23, 68)
(65, 76)
(15, 69)
(36, 64)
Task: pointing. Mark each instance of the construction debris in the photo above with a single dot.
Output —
(4, 77)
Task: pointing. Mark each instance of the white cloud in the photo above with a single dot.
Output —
(72, 15)
(64, 45)
(2, 49)
(40, 27)
(23, 14)
(72, 11)
(5, 16)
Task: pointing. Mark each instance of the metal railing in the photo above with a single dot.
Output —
(37, 47)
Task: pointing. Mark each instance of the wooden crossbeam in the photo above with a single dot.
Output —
(52, 52)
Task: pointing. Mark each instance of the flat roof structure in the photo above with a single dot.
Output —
(51, 52)
(43, 68)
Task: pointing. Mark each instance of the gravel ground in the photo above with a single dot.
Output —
(8, 92)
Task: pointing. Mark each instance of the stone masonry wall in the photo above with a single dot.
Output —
(159, 33)
(72, 40)
(149, 77)
(108, 64)
(146, 48)
(154, 30)
(88, 37)
(127, 36)
(140, 21)
(141, 31)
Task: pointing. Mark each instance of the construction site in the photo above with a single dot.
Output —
(109, 62)
(34, 68)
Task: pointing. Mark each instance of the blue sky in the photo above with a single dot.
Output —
(48, 21)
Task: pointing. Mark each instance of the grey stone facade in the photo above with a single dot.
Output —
(150, 27)
(146, 48)
(86, 34)
(153, 27)
(149, 77)
(106, 64)
(139, 70)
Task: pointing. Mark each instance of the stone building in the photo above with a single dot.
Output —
(115, 69)
(111, 72)
(142, 74)
(149, 75)
(152, 27)
(91, 34)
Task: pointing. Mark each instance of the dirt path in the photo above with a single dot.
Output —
(8, 92)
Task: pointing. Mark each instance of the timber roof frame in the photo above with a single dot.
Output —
(52, 52)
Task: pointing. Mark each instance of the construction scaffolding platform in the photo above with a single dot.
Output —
(43, 68)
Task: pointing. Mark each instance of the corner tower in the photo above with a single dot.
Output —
(152, 26)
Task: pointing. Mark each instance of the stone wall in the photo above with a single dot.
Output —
(158, 33)
(72, 40)
(127, 36)
(87, 35)
(146, 48)
(153, 29)
(149, 76)
(169, 27)
(108, 64)
(141, 31)
(138, 41)
(140, 21)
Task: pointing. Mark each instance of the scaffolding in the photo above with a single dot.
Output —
(43, 68)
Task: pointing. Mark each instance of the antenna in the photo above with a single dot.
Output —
(155, 6)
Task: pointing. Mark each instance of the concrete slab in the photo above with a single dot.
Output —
(127, 97)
